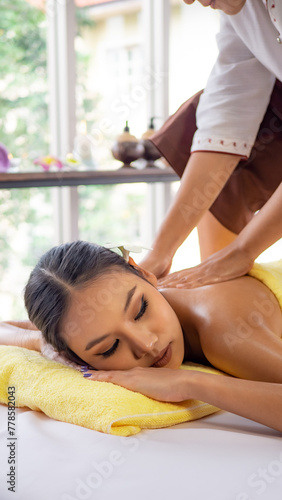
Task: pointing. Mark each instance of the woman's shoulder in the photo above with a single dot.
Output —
(231, 320)
(218, 305)
(242, 295)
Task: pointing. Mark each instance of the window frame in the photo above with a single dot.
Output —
(62, 102)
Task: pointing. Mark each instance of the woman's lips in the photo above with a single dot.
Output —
(165, 358)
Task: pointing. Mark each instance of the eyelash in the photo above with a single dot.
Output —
(143, 308)
(113, 349)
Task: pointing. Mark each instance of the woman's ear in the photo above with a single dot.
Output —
(146, 274)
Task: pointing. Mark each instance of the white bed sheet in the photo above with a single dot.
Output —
(220, 457)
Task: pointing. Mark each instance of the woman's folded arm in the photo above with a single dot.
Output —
(21, 334)
(256, 400)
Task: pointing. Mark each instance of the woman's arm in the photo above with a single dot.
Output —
(203, 179)
(25, 334)
(21, 334)
(258, 401)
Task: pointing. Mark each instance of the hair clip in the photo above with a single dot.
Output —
(126, 249)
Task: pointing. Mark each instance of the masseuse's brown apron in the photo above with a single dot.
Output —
(253, 181)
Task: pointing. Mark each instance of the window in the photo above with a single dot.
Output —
(26, 219)
(109, 60)
(110, 68)
(23, 80)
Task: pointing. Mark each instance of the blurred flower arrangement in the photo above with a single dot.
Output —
(4, 159)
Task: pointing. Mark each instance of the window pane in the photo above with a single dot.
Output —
(113, 214)
(23, 80)
(26, 233)
(192, 53)
(26, 220)
(192, 49)
(109, 53)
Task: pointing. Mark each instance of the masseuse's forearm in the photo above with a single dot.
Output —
(258, 401)
(203, 179)
(21, 334)
(264, 229)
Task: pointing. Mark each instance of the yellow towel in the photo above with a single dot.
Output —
(271, 275)
(63, 394)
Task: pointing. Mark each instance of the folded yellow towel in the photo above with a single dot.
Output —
(271, 275)
(63, 394)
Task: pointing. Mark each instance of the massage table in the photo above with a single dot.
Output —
(218, 457)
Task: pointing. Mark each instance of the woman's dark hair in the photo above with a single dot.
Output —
(60, 271)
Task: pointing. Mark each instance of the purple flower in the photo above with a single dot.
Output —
(4, 160)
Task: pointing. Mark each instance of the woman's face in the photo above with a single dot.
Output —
(122, 321)
(230, 7)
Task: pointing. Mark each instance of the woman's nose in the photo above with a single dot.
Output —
(144, 343)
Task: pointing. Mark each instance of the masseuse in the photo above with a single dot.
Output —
(235, 168)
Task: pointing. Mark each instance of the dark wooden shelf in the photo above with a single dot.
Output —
(86, 177)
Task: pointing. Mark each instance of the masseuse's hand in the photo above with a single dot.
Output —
(224, 265)
(156, 264)
(162, 384)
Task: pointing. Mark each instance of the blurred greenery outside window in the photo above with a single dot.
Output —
(106, 213)
(25, 214)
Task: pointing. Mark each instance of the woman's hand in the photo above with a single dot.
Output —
(224, 265)
(162, 384)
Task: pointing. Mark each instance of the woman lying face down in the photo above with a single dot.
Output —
(104, 312)
(101, 310)
(91, 304)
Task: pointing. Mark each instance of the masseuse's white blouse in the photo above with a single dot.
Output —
(240, 85)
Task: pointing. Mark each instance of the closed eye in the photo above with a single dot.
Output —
(144, 305)
(112, 350)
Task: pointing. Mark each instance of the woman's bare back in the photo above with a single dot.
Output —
(235, 326)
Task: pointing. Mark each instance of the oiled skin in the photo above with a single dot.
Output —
(236, 326)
